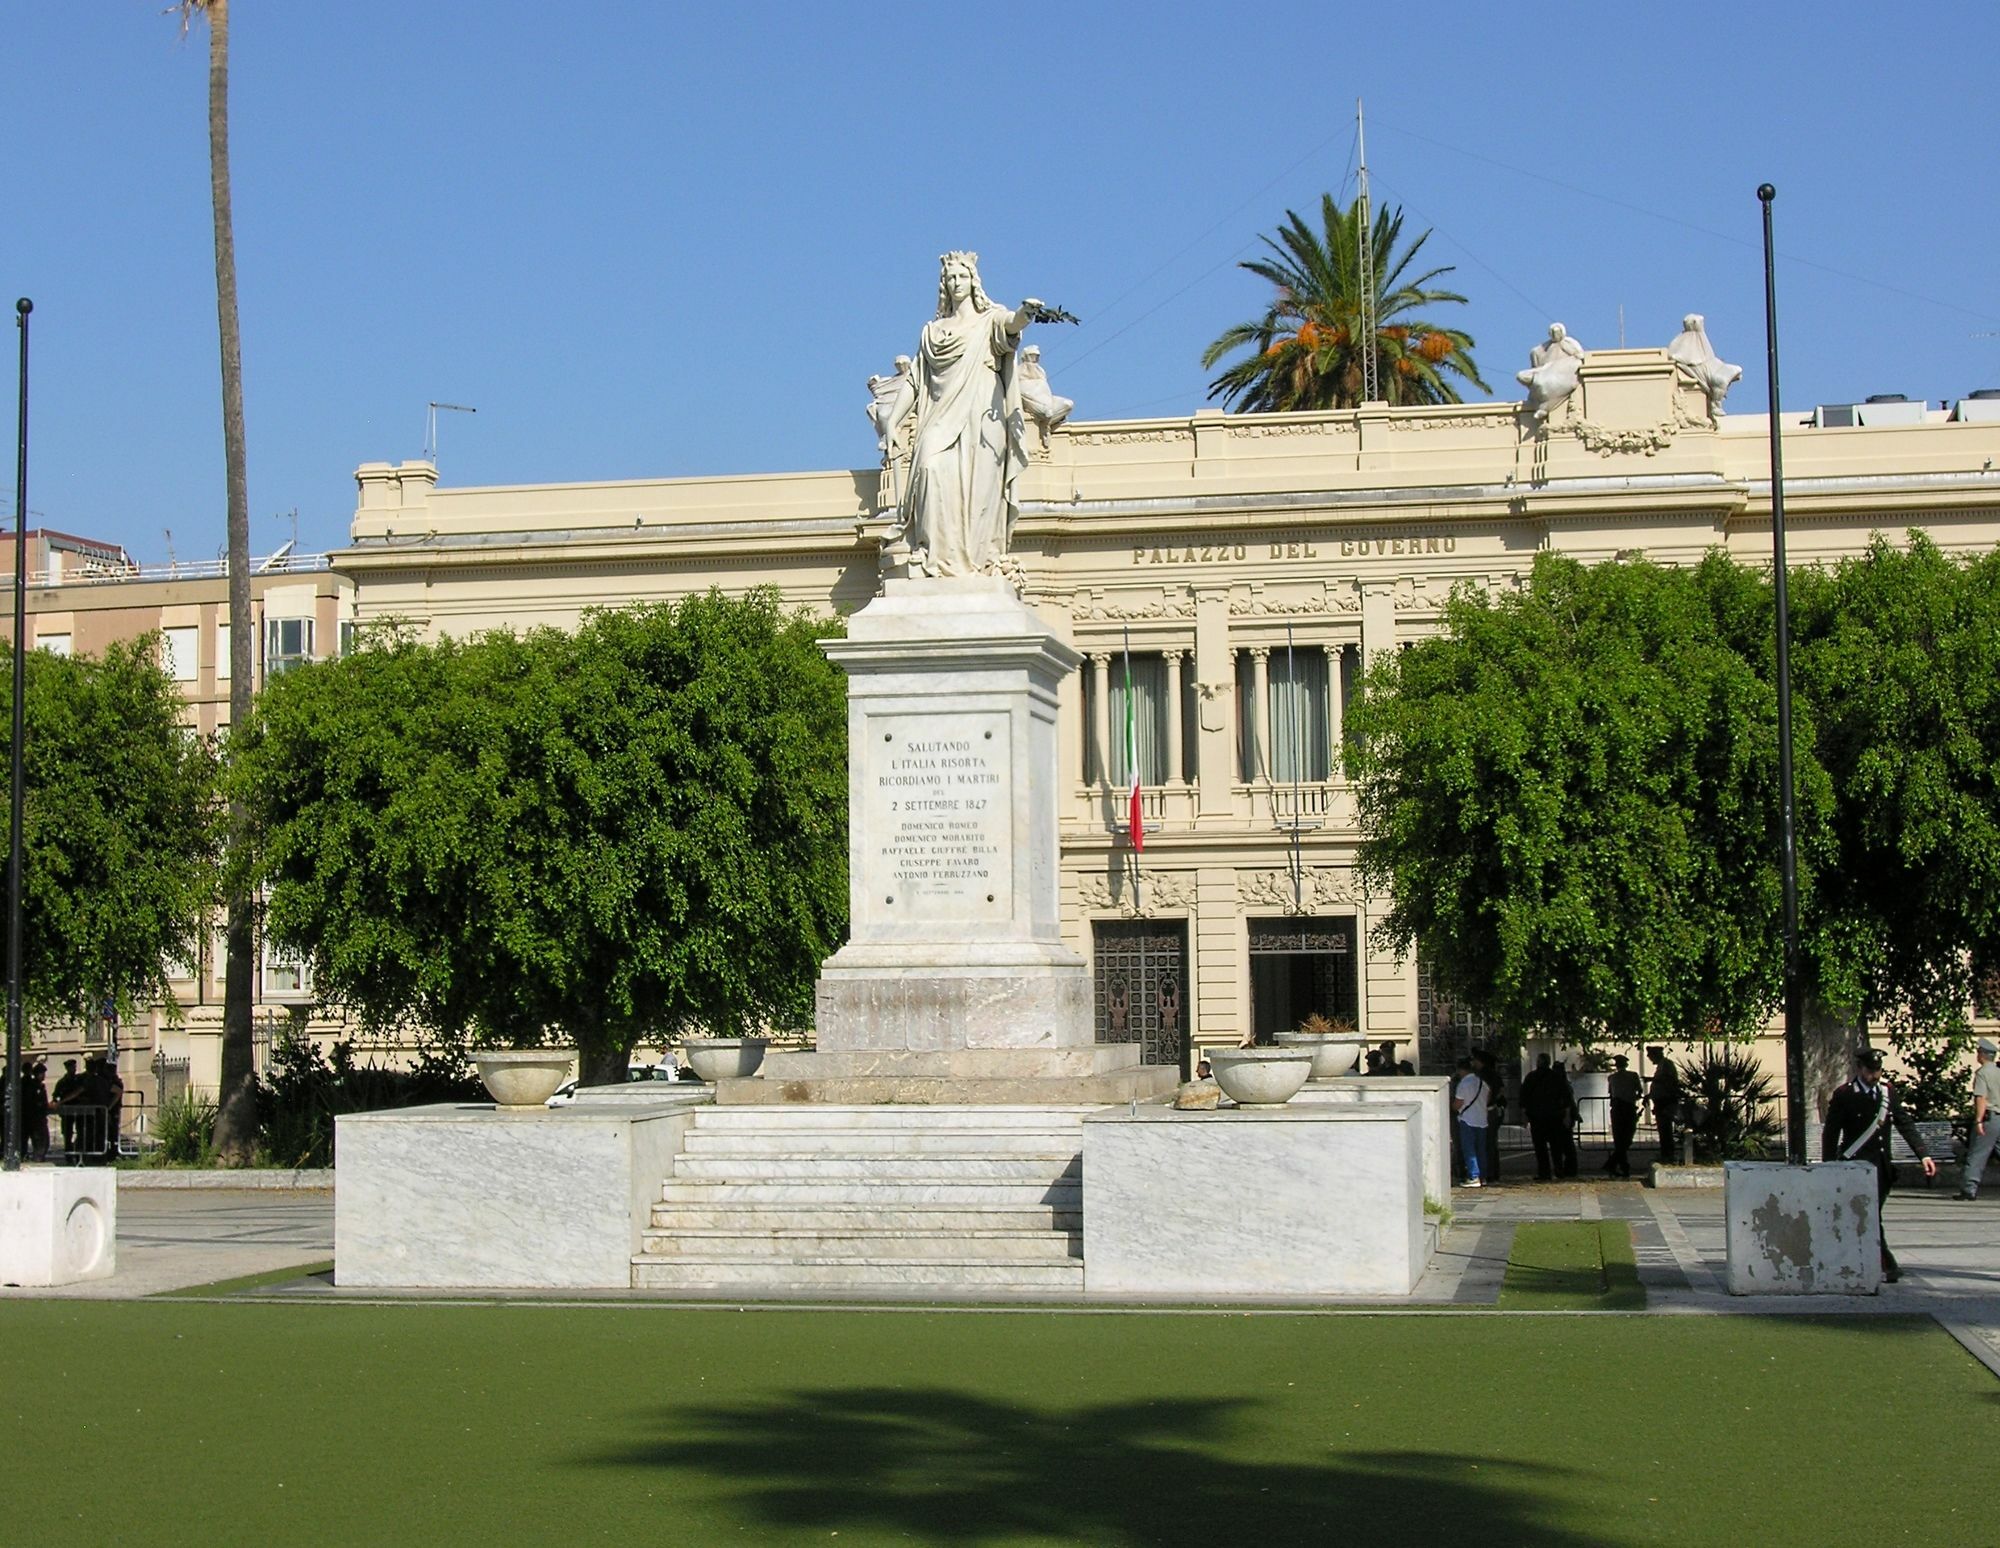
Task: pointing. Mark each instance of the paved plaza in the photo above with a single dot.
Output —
(183, 1239)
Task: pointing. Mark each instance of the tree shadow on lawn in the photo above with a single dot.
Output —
(942, 1466)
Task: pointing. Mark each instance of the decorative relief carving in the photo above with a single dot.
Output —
(1288, 605)
(1418, 595)
(1139, 608)
(1128, 437)
(1606, 442)
(1318, 887)
(1264, 432)
(1157, 891)
(1445, 422)
(1214, 704)
(1344, 597)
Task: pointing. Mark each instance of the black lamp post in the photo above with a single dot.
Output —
(1795, 1048)
(12, 1162)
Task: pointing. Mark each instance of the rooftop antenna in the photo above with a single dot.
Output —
(1621, 324)
(1371, 387)
(169, 531)
(431, 427)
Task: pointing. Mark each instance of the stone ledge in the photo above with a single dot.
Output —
(1136, 1083)
(1685, 1177)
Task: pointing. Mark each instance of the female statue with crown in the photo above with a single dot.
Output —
(970, 441)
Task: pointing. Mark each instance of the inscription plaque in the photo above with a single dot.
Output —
(937, 816)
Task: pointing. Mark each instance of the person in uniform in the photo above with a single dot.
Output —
(1664, 1093)
(1858, 1121)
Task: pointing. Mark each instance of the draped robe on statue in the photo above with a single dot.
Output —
(970, 442)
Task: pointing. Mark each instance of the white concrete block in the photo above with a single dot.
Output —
(1319, 1200)
(58, 1225)
(1802, 1230)
(466, 1197)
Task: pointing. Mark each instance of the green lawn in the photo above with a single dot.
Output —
(1572, 1265)
(500, 1425)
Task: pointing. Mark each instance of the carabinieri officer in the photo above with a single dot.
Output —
(1858, 1120)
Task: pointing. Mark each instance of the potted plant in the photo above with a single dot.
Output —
(1333, 1041)
(520, 1067)
(724, 1058)
(1261, 1075)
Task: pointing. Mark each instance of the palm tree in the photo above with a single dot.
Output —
(236, 1115)
(1303, 350)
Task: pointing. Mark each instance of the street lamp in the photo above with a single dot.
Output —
(12, 1162)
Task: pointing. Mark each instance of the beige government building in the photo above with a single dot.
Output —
(1250, 564)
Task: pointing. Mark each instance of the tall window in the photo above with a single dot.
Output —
(180, 662)
(1298, 715)
(1150, 709)
(288, 642)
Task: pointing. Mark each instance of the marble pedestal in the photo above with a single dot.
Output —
(955, 984)
(1299, 1202)
(1802, 1230)
(58, 1225)
(1430, 1093)
(470, 1197)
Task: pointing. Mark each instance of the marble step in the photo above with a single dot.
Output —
(883, 1168)
(857, 1193)
(1033, 1247)
(866, 1142)
(834, 1116)
(910, 1219)
(776, 1276)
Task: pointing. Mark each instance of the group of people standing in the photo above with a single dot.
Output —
(89, 1103)
(1549, 1103)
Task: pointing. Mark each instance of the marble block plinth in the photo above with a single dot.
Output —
(58, 1225)
(1301, 1202)
(470, 1197)
(1802, 1230)
(944, 1010)
(1431, 1093)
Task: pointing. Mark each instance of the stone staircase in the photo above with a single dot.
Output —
(958, 1201)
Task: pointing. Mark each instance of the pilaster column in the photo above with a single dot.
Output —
(1336, 658)
(1100, 717)
(1260, 702)
(1174, 775)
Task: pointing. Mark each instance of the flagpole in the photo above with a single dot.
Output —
(11, 1161)
(1292, 695)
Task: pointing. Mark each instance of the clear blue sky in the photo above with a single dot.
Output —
(650, 239)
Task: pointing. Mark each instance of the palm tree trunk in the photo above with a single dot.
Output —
(236, 1117)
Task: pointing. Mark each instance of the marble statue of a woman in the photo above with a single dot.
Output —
(1700, 365)
(970, 434)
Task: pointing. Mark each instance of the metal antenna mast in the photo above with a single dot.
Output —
(431, 427)
(1371, 386)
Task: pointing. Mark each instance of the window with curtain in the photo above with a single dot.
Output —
(1298, 711)
(1148, 698)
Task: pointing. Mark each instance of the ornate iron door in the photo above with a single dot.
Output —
(1139, 986)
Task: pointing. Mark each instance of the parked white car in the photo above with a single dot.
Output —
(566, 1092)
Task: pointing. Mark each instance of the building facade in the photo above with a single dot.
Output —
(1227, 579)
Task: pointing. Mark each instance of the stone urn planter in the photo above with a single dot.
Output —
(724, 1058)
(1261, 1077)
(523, 1077)
(1333, 1053)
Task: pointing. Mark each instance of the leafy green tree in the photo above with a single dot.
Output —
(122, 831)
(1899, 656)
(638, 830)
(1306, 351)
(1571, 796)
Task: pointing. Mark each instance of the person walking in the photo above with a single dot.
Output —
(1665, 1095)
(1624, 1090)
(1858, 1121)
(1469, 1098)
(1985, 1119)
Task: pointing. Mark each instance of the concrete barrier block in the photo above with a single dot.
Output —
(1802, 1230)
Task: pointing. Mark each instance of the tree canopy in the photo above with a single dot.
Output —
(1571, 796)
(122, 831)
(1899, 655)
(1306, 350)
(636, 830)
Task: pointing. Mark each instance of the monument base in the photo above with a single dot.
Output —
(923, 1009)
(1103, 1074)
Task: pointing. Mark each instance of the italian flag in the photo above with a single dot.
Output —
(1134, 819)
